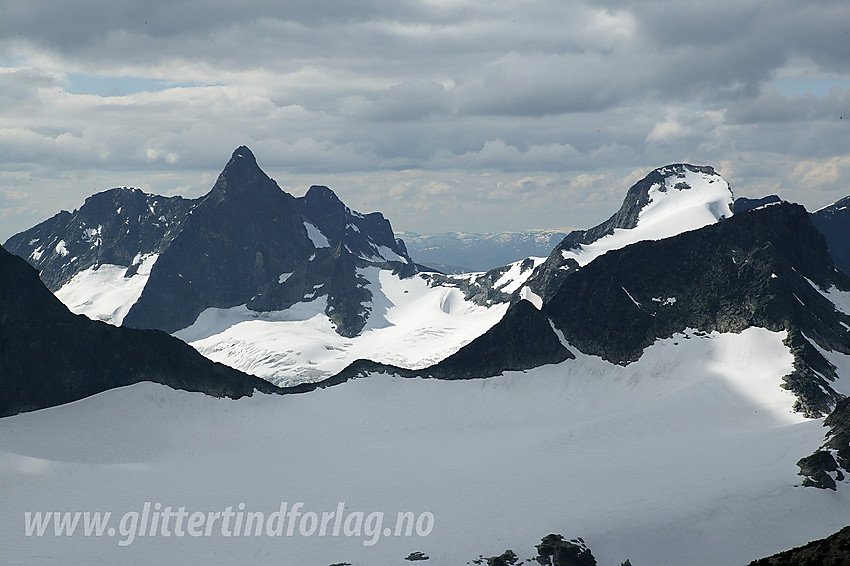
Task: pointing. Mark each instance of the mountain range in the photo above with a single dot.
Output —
(670, 379)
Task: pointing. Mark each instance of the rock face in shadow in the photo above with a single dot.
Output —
(833, 222)
(767, 268)
(239, 238)
(112, 227)
(523, 339)
(49, 356)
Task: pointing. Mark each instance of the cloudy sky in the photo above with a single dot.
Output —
(446, 115)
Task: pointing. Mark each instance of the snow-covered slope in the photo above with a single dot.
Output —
(687, 199)
(107, 292)
(670, 200)
(412, 324)
(686, 456)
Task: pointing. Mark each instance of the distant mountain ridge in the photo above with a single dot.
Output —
(463, 252)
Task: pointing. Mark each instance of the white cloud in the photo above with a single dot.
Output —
(437, 113)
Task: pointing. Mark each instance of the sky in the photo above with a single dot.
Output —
(445, 115)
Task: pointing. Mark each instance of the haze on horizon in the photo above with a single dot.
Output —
(444, 114)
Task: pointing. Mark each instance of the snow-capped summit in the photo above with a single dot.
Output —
(668, 201)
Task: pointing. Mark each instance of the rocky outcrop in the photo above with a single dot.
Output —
(831, 551)
(831, 463)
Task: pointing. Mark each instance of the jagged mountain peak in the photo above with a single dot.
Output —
(149, 261)
(243, 179)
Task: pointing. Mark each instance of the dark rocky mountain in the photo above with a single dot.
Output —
(833, 222)
(117, 226)
(49, 356)
(767, 267)
(367, 236)
(245, 242)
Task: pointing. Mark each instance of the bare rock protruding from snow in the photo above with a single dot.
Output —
(831, 463)
(553, 550)
(767, 268)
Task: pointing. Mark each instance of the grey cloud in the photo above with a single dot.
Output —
(457, 101)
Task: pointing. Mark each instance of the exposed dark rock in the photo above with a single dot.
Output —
(816, 469)
(112, 227)
(743, 204)
(553, 550)
(417, 556)
(49, 356)
(239, 238)
(523, 339)
(478, 288)
(832, 462)
(833, 222)
(831, 551)
(507, 558)
(367, 236)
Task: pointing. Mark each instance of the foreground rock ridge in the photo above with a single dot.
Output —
(49, 356)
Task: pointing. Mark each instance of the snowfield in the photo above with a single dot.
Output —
(105, 292)
(686, 456)
(411, 325)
